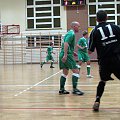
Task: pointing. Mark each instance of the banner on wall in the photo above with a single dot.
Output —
(89, 30)
(93, 56)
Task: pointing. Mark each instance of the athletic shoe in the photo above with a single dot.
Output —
(52, 67)
(41, 65)
(96, 106)
(89, 76)
(63, 92)
(77, 92)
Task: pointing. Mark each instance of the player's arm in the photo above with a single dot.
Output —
(53, 52)
(79, 46)
(65, 51)
(68, 39)
(75, 53)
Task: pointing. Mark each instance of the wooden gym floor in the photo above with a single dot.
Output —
(28, 92)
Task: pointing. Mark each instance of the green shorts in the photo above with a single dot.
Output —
(69, 64)
(49, 57)
(83, 56)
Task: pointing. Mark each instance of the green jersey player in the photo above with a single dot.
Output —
(83, 52)
(49, 56)
(66, 60)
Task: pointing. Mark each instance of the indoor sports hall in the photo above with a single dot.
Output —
(29, 92)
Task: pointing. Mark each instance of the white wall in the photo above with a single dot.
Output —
(14, 12)
(63, 18)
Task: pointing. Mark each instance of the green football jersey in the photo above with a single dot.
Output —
(83, 43)
(70, 39)
(49, 50)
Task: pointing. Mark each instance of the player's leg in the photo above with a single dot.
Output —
(52, 61)
(105, 75)
(87, 60)
(62, 82)
(71, 63)
(89, 70)
(79, 60)
(63, 76)
(42, 63)
(79, 64)
(47, 59)
(51, 66)
(99, 93)
(75, 77)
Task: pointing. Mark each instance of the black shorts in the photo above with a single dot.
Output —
(109, 65)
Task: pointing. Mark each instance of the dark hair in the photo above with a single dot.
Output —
(51, 43)
(85, 33)
(101, 16)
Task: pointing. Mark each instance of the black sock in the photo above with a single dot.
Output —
(100, 90)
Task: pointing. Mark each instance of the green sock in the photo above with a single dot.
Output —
(43, 63)
(62, 82)
(79, 68)
(51, 63)
(74, 81)
(88, 69)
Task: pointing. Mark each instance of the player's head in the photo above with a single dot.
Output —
(51, 44)
(75, 26)
(101, 16)
(85, 33)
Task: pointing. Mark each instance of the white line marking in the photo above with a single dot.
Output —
(36, 84)
(53, 85)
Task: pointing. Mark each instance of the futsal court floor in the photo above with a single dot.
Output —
(28, 92)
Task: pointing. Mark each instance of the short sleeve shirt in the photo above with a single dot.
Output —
(83, 43)
(70, 39)
(49, 50)
(105, 38)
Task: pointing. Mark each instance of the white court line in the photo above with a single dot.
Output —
(53, 85)
(36, 84)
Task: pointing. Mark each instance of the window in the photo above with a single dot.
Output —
(43, 14)
(106, 6)
(30, 41)
(92, 9)
(92, 21)
(30, 23)
(29, 2)
(118, 8)
(30, 12)
(34, 41)
(110, 6)
(118, 20)
(92, 0)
